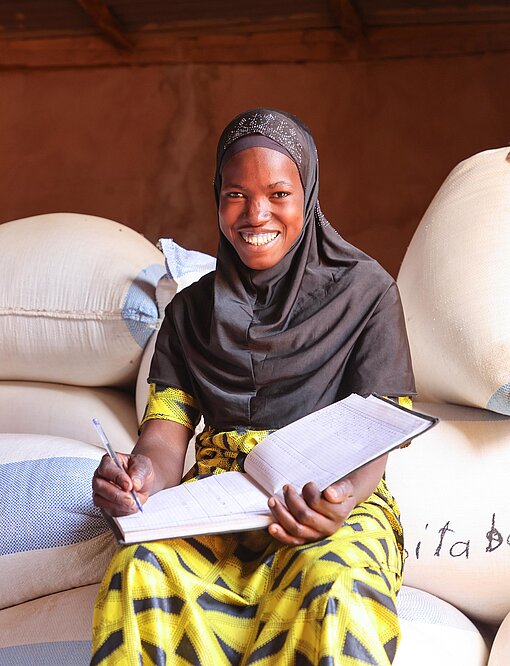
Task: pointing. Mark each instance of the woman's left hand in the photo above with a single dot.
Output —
(312, 515)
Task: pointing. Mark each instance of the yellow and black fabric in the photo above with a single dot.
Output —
(247, 599)
(171, 404)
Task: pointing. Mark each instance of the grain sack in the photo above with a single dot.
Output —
(41, 408)
(435, 633)
(454, 286)
(53, 538)
(451, 485)
(77, 304)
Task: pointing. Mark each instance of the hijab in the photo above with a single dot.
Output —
(261, 348)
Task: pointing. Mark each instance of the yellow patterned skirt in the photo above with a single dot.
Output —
(247, 599)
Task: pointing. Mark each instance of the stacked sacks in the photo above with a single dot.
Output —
(77, 308)
(451, 484)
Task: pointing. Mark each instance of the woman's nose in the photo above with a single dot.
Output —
(258, 211)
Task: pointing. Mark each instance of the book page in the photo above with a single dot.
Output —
(332, 442)
(228, 494)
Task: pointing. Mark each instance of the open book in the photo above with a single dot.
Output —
(322, 447)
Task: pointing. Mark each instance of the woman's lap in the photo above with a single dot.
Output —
(237, 599)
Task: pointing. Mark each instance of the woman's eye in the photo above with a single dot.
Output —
(281, 195)
(234, 195)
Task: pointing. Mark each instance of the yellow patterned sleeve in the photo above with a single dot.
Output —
(171, 404)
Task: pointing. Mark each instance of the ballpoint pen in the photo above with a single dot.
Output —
(113, 456)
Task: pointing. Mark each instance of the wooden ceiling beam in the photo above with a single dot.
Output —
(107, 23)
(349, 21)
(278, 47)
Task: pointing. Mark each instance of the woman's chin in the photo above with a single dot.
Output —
(259, 257)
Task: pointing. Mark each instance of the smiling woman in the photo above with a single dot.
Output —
(292, 320)
(261, 205)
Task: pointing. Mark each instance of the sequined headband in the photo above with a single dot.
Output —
(277, 128)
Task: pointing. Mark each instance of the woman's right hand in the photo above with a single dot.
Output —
(112, 487)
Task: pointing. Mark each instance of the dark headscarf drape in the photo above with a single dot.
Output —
(261, 348)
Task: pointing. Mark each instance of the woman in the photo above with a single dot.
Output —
(293, 319)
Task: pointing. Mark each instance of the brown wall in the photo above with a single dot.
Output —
(137, 144)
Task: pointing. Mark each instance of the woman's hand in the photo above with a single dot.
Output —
(112, 487)
(155, 463)
(312, 515)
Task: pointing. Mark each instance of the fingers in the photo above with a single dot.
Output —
(335, 502)
(109, 497)
(111, 472)
(310, 516)
(287, 529)
(339, 491)
(111, 486)
(298, 522)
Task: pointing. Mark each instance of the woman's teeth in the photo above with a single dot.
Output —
(258, 239)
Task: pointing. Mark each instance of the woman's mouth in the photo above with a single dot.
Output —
(258, 239)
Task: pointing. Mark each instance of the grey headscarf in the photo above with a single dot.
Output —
(261, 348)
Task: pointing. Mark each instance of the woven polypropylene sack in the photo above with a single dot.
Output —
(435, 633)
(53, 538)
(61, 410)
(52, 630)
(77, 300)
(454, 286)
(451, 485)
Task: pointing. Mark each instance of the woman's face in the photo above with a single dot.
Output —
(261, 205)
